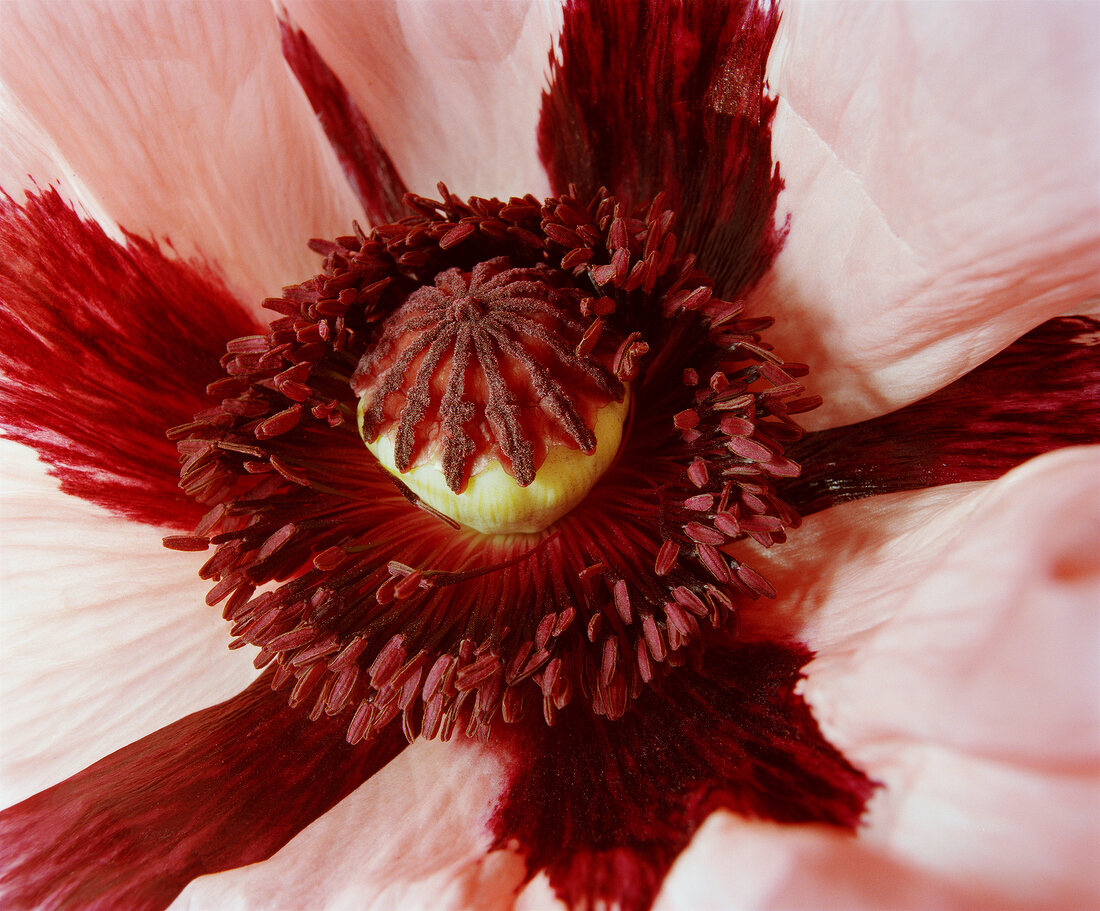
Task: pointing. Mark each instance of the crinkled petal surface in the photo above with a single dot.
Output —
(940, 164)
(957, 633)
(181, 120)
(451, 88)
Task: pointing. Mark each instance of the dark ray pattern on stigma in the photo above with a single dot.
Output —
(1040, 393)
(605, 809)
(106, 346)
(384, 608)
(509, 333)
(700, 132)
(193, 798)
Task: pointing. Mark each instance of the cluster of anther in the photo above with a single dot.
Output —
(371, 609)
(506, 345)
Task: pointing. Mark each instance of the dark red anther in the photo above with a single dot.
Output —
(755, 582)
(666, 558)
(388, 662)
(685, 420)
(621, 597)
(749, 449)
(185, 542)
(697, 472)
(703, 533)
(713, 560)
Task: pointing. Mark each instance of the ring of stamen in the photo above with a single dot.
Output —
(375, 610)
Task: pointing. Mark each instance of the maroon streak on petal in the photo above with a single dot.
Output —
(669, 96)
(605, 807)
(219, 789)
(368, 168)
(1039, 394)
(105, 346)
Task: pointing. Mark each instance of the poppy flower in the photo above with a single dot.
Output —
(615, 698)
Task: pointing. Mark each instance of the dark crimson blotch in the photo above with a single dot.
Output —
(219, 789)
(605, 808)
(106, 346)
(366, 164)
(654, 96)
(1039, 394)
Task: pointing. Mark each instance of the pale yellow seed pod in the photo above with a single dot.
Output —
(493, 503)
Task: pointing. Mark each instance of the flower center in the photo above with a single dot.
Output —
(486, 396)
(478, 337)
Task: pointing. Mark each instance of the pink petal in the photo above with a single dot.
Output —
(195, 797)
(452, 89)
(958, 639)
(1002, 627)
(413, 836)
(940, 162)
(106, 636)
(183, 121)
(762, 867)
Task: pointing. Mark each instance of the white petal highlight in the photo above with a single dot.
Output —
(27, 150)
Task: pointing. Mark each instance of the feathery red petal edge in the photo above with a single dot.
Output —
(605, 808)
(219, 789)
(366, 163)
(698, 130)
(106, 346)
(1040, 393)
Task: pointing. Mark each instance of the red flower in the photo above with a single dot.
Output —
(921, 231)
